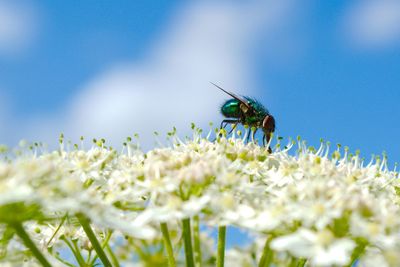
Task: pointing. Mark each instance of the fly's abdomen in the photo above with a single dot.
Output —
(231, 109)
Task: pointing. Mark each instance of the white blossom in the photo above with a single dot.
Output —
(317, 205)
(322, 248)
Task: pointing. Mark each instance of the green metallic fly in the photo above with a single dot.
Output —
(249, 112)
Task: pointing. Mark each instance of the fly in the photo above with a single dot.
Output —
(249, 112)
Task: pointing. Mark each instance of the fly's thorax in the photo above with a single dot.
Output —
(253, 121)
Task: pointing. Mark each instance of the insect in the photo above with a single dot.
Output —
(247, 111)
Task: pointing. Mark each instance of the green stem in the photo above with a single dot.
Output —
(187, 239)
(168, 245)
(221, 246)
(267, 255)
(358, 251)
(58, 229)
(301, 262)
(63, 261)
(93, 239)
(19, 229)
(79, 256)
(89, 257)
(297, 262)
(196, 239)
(113, 257)
(76, 253)
(103, 246)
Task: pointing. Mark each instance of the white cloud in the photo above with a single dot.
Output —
(373, 23)
(207, 41)
(18, 26)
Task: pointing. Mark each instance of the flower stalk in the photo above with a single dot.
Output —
(20, 231)
(75, 251)
(295, 262)
(301, 262)
(221, 246)
(114, 259)
(168, 245)
(267, 255)
(187, 239)
(93, 239)
(196, 239)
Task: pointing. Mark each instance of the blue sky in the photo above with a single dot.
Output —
(109, 69)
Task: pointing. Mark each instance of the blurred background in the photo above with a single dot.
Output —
(324, 69)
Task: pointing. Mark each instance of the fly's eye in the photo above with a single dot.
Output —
(269, 123)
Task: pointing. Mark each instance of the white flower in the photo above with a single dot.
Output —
(227, 182)
(373, 257)
(322, 248)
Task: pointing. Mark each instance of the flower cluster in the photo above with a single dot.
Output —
(300, 205)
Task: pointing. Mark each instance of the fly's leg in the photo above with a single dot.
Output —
(225, 122)
(233, 128)
(269, 150)
(254, 134)
(266, 141)
(248, 136)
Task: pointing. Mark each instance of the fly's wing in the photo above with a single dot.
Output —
(257, 106)
(239, 98)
